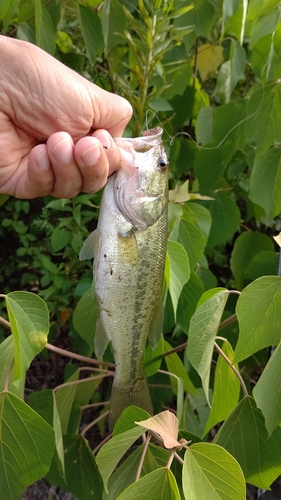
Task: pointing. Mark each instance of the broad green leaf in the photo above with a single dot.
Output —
(201, 215)
(210, 472)
(177, 270)
(226, 390)
(159, 484)
(91, 30)
(60, 238)
(188, 300)
(202, 332)
(29, 319)
(263, 264)
(44, 28)
(112, 452)
(230, 72)
(113, 24)
(191, 238)
(124, 475)
(153, 358)
(6, 360)
(201, 17)
(267, 391)
(85, 316)
(264, 106)
(64, 396)
(82, 476)
(259, 316)
(246, 246)
(195, 413)
(26, 446)
(265, 25)
(176, 367)
(127, 419)
(265, 182)
(245, 436)
(44, 403)
(225, 219)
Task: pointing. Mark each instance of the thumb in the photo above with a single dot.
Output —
(110, 111)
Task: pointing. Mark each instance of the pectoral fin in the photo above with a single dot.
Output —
(89, 248)
(156, 325)
(101, 339)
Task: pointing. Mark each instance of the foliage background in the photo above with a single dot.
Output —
(209, 71)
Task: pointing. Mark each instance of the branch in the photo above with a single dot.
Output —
(94, 422)
(242, 383)
(146, 443)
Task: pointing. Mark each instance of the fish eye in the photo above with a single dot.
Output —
(162, 163)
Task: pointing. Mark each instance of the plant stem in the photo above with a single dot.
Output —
(94, 405)
(94, 422)
(179, 459)
(4, 322)
(242, 383)
(73, 355)
(171, 458)
(73, 382)
(148, 438)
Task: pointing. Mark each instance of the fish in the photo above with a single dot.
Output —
(129, 249)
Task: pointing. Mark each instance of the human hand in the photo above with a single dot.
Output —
(56, 127)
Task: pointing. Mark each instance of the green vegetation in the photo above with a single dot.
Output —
(208, 71)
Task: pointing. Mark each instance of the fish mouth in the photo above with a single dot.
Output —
(148, 140)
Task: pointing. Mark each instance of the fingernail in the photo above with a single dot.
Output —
(63, 151)
(104, 138)
(43, 161)
(91, 155)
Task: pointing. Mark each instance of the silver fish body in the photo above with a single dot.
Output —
(129, 256)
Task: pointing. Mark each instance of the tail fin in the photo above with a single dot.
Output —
(136, 394)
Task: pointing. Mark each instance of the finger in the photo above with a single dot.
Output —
(67, 176)
(92, 160)
(95, 169)
(34, 175)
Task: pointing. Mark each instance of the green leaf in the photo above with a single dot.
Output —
(176, 367)
(225, 219)
(230, 72)
(6, 360)
(201, 215)
(258, 311)
(44, 28)
(159, 484)
(85, 316)
(124, 475)
(44, 403)
(265, 182)
(267, 391)
(29, 318)
(128, 419)
(153, 358)
(91, 30)
(82, 476)
(264, 106)
(114, 23)
(246, 246)
(188, 300)
(195, 413)
(112, 452)
(202, 332)
(226, 390)
(26, 446)
(244, 435)
(263, 264)
(177, 271)
(191, 238)
(64, 396)
(210, 472)
(60, 238)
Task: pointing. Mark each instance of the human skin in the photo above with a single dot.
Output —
(56, 127)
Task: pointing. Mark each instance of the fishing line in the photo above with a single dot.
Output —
(211, 148)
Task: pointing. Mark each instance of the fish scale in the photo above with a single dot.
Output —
(129, 248)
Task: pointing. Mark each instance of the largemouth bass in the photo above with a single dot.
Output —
(129, 247)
